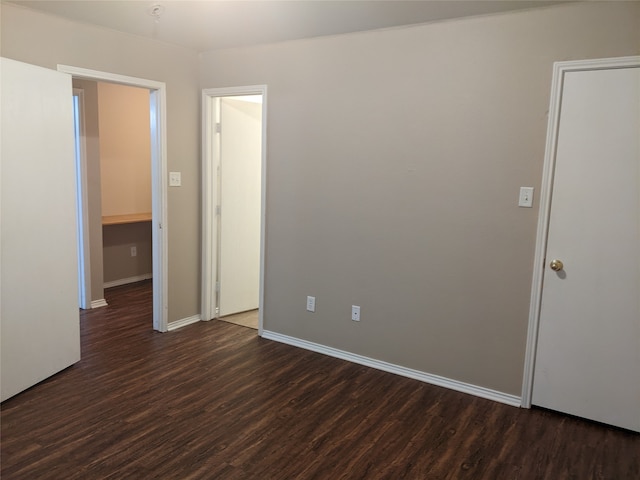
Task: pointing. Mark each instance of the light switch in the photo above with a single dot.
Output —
(526, 197)
(175, 179)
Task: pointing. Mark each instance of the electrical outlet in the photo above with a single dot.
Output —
(311, 304)
(134, 251)
(355, 313)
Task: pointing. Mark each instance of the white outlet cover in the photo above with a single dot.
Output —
(311, 304)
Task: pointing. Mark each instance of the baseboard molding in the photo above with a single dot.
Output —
(99, 303)
(125, 281)
(482, 392)
(183, 322)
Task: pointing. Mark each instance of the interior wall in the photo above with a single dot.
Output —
(119, 264)
(94, 194)
(47, 40)
(125, 172)
(394, 163)
(125, 149)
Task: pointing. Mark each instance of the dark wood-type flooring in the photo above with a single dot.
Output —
(214, 401)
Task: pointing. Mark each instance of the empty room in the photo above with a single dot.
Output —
(445, 240)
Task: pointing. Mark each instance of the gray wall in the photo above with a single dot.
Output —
(394, 163)
(46, 40)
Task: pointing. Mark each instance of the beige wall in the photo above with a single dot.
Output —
(394, 163)
(125, 169)
(47, 40)
(94, 196)
(125, 149)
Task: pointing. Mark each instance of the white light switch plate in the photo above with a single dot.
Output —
(175, 179)
(526, 197)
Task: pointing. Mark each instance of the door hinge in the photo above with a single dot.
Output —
(218, 127)
(217, 287)
(218, 209)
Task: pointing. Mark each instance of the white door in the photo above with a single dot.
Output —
(588, 353)
(39, 317)
(240, 194)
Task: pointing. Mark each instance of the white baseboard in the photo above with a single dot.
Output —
(124, 281)
(98, 303)
(463, 387)
(183, 322)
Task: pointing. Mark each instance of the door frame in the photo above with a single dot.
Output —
(84, 265)
(210, 174)
(159, 224)
(546, 191)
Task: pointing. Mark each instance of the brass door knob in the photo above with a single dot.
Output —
(556, 265)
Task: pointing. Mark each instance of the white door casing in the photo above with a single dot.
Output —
(39, 318)
(210, 188)
(159, 224)
(587, 316)
(84, 266)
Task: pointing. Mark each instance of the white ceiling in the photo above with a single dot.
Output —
(211, 24)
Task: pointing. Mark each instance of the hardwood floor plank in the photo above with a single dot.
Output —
(214, 401)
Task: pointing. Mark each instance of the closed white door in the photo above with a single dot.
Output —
(39, 320)
(588, 353)
(240, 194)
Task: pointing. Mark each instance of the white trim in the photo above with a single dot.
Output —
(183, 322)
(463, 387)
(158, 113)
(125, 281)
(86, 73)
(159, 222)
(99, 303)
(209, 195)
(82, 202)
(559, 70)
(209, 237)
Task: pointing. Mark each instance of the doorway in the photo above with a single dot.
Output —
(157, 114)
(583, 353)
(234, 161)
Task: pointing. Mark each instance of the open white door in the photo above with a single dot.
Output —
(240, 195)
(39, 317)
(588, 353)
